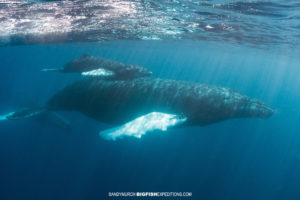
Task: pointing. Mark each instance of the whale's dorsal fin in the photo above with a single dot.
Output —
(141, 125)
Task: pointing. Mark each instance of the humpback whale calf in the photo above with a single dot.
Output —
(88, 65)
(145, 104)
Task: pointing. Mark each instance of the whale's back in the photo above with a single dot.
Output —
(120, 101)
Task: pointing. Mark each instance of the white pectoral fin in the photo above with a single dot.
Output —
(98, 72)
(141, 125)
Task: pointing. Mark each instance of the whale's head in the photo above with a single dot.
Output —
(256, 108)
(244, 106)
(237, 105)
(132, 72)
(140, 71)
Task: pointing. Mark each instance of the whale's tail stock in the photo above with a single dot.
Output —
(39, 114)
(23, 113)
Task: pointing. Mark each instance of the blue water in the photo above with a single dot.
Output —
(237, 159)
(234, 159)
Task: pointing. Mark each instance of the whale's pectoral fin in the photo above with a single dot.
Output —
(141, 125)
(98, 72)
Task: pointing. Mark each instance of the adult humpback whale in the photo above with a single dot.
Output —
(146, 104)
(88, 65)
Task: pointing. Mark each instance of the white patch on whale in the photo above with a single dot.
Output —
(98, 72)
(4, 117)
(139, 126)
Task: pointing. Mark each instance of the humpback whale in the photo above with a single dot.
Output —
(88, 65)
(144, 104)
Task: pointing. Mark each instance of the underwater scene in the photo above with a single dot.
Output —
(148, 99)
